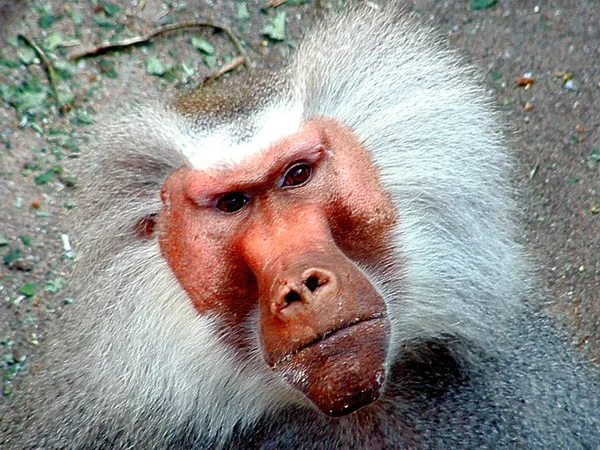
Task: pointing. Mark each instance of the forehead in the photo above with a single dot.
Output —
(226, 144)
(259, 169)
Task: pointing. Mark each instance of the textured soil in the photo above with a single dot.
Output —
(552, 122)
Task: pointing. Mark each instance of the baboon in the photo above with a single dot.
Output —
(319, 257)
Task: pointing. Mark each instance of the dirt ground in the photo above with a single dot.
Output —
(552, 48)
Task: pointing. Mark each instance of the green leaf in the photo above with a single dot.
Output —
(65, 69)
(202, 45)
(27, 55)
(26, 240)
(275, 29)
(30, 100)
(7, 91)
(210, 61)
(14, 40)
(482, 4)
(60, 138)
(28, 97)
(30, 166)
(70, 204)
(28, 290)
(9, 63)
(103, 22)
(107, 67)
(53, 40)
(15, 253)
(3, 241)
(595, 155)
(44, 178)
(154, 66)
(496, 76)
(83, 117)
(242, 12)
(37, 127)
(110, 8)
(54, 286)
(46, 20)
(76, 17)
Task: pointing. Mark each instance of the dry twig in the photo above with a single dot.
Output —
(223, 70)
(110, 46)
(47, 65)
(535, 169)
(274, 3)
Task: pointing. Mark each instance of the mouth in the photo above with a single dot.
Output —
(346, 328)
(341, 370)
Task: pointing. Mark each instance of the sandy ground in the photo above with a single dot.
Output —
(553, 125)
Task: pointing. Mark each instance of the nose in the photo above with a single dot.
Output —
(298, 289)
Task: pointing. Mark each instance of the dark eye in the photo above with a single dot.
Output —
(232, 202)
(297, 175)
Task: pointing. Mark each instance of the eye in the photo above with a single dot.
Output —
(297, 175)
(232, 202)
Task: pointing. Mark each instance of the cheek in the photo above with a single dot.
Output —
(363, 234)
(207, 268)
(362, 215)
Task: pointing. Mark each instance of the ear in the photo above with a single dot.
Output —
(144, 228)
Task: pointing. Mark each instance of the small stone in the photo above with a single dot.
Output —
(571, 85)
(21, 265)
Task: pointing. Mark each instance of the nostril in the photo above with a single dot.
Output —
(292, 297)
(312, 283)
